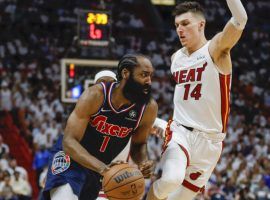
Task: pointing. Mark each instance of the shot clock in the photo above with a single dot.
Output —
(94, 28)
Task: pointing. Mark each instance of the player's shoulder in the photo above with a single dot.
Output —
(176, 53)
(93, 92)
(91, 99)
(173, 55)
(152, 106)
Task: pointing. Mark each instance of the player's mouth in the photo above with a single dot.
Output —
(182, 37)
(146, 91)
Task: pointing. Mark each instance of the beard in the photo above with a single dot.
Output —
(135, 92)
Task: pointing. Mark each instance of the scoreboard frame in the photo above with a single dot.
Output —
(94, 27)
(66, 62)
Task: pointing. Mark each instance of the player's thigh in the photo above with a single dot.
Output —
(174, 161)
(63, 192)
(204, 159)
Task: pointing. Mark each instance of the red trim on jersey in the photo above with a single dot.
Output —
(105, 96)
(109, 100)
(167, 139)
(168, 136)
(102, 195)
(193, 187)
(186, 153)
(225, 81)
(139, 119)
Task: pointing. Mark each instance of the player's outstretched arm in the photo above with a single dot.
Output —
(138, 150)
(224, 41)
(88, 104)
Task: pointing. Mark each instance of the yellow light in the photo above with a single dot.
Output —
(91, 18)
(71, 66)
(98, 18)
(102, 18)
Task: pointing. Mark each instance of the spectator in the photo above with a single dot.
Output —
(4, 149)
(20, 187)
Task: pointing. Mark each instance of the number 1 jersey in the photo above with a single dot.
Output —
(109, 130)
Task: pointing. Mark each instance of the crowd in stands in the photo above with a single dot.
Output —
(36, 34)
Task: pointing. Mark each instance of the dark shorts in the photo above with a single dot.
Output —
(63, 170)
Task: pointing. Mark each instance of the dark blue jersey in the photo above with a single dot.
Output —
(106, 135)
(109, 130)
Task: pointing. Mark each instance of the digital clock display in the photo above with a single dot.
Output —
(94, 28)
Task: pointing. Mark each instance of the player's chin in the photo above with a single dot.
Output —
(183, 43)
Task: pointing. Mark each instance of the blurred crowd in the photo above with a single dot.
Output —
(36, 34)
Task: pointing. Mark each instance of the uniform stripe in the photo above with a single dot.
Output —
(109, 100)
(139, 119)
(168, 136)
(225, 82)
(193, 187)
(186, 153)
(105, 96)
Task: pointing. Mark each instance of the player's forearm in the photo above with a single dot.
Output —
(239, 15)
(138, 153)
(79, 154)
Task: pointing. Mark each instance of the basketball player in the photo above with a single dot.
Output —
(202, 71)
(100, 126)
(158, 127)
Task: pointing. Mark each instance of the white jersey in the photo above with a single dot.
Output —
(201, 98)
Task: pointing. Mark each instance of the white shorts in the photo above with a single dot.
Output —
(63, 192)
(202, 151)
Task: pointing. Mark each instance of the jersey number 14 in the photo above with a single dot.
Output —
(195, 93)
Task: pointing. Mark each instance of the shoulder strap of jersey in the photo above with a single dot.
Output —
(104, 87)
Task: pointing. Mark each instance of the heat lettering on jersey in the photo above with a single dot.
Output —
(190, 75)
(100, 122)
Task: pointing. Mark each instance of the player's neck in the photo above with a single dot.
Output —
(199, 44)
(118, 99)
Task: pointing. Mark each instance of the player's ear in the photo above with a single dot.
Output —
(201, 25)
(125, 73)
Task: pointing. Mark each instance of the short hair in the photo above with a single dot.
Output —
(129, 62)
(189, 6)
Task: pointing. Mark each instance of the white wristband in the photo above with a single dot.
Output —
(236, 24)
(239, 15)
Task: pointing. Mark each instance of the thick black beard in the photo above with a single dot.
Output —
(133, 91)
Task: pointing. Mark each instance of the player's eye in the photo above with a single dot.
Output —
(144, 75)
(185, 23)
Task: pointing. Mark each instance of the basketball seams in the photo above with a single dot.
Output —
(116, 173)
(124, 185)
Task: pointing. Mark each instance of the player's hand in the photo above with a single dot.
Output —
(103, 170)
(158, 131)
(106, 168)
(117, 163)
(147, 168)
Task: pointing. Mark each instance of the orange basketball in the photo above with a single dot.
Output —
(123, 182)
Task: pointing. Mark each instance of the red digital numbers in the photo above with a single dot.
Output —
(94, 33)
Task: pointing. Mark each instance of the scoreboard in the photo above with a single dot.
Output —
(94, 28)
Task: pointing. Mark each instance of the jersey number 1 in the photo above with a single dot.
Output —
(104, 143)
(196, 92)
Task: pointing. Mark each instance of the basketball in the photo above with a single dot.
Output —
(123, 182)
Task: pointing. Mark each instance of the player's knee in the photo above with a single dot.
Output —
(166, 185)
(174, 179)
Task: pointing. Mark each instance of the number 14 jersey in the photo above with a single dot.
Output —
(202, 94)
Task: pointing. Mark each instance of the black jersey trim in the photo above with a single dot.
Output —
(104, 100)
(110, 103)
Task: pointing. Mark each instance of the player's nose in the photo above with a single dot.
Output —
(148, 80)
